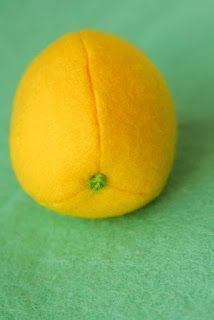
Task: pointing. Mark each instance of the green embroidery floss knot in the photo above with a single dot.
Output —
(97, 181)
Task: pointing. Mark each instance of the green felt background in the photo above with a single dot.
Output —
(156, 263)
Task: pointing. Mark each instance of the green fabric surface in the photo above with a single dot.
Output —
(156, 263)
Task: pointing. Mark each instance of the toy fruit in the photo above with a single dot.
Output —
(93, 127)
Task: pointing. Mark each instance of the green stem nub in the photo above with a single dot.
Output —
(97, 182)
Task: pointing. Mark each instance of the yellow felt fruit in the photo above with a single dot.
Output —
(93, 127)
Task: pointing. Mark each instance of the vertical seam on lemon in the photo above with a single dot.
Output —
(88, 71)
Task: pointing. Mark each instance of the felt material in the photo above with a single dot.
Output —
(91, 102)
(97, 181)
(156, 263)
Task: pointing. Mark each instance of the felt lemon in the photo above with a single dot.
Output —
(93, 127)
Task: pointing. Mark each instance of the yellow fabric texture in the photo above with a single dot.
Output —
(92, 102)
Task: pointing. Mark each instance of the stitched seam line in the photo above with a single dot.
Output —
(129, 192)
(135, 194)
(93, 97)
